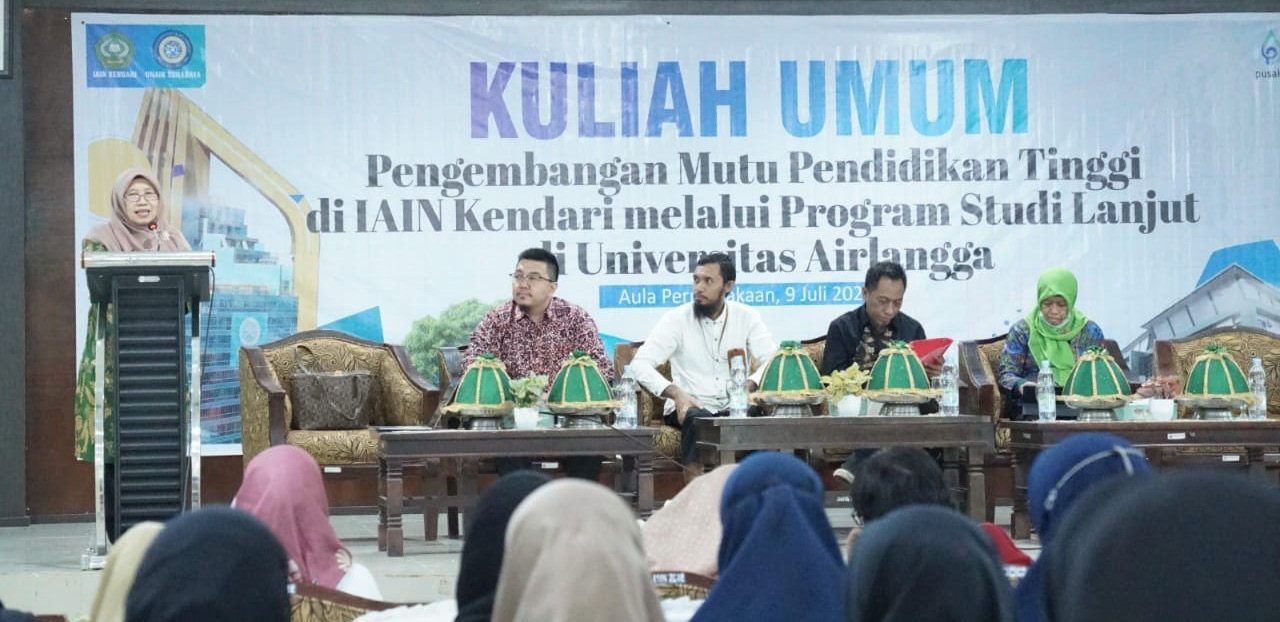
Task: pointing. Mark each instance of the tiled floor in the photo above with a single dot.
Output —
(40, 565)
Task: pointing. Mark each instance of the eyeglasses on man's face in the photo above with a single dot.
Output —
(138, 197)
(532, 279)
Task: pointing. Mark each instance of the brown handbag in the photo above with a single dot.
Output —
(331, 400)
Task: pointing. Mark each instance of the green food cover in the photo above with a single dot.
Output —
(790, 373)
(580, 384)
(1096, 375)
(1215, 374)
(485, 387)
(898, 372)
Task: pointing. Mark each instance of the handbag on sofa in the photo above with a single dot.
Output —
(330, 400)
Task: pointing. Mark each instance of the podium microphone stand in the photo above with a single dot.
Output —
(157, 449)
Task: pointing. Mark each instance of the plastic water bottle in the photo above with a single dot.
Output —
(1258, 387)
(1046, 400)
(737, 387)
(950, 381)
(626, 390)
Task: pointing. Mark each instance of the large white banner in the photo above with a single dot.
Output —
(368, 173)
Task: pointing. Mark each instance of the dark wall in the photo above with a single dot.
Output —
(38, 473)
(13, 400)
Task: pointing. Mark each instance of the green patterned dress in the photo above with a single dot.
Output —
(85, 380)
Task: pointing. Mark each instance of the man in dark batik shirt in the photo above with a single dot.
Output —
(534, 333)
(857, 337)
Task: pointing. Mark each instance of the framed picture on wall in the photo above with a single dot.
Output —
(6, 38)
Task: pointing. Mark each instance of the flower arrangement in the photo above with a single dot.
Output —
(847, 382)
(526, 392)
(1160, 387)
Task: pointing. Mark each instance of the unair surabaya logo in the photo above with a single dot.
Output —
(1270, 47)
(114, 50)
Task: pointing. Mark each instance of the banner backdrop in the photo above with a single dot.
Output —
(376, 173)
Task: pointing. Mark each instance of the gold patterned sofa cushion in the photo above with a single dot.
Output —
(395, 398)
(336, 446)
(991, 366)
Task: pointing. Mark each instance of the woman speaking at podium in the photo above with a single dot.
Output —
(139, 223)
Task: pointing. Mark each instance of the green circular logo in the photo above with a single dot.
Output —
(114, 50)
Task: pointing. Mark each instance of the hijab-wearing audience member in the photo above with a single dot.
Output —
(778, 556)
(684, 536)
(1059, 476)
(13, 615)
(122, 566)
(483, 551)
(284, 489)
(1192, 547)
(925, 563)
(573, 554)
(212, 565)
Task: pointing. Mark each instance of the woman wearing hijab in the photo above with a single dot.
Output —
(212, 565)
(138, 224)
(778, 556)
(1059, 476)
(925, 563)
(486, 540)
(1054, 331)
(1191, 547)
(573, 553)
(283, 488)
(118, 575)
(684, 536)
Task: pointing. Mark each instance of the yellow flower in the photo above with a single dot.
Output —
(847, 382)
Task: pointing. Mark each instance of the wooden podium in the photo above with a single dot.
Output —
(157, 447)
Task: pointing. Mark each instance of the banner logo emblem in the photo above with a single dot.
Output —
(172, 49)
(114, 50)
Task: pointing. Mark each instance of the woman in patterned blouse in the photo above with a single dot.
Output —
(1054, 331)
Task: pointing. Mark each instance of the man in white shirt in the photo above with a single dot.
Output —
(696, 338)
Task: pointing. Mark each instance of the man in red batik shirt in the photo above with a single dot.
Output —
(534, 333)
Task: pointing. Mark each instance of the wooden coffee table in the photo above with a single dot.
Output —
(976, 435)
(400, 445)
(1028, 438)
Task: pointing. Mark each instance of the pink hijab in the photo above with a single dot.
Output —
(121, 235)
(283, 488)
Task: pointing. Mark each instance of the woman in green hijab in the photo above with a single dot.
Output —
(1054, 331)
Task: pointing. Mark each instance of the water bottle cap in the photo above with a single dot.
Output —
(1044, 364)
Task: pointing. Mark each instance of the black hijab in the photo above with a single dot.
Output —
(482, 553)
(926, 563)
(1188, 547)
(214, 565)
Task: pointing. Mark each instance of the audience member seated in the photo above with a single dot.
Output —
(212, 565)
(926, 563)
(895, 477)
(122, 566)
(482, 553)
(13, 615)
(1059, 476)
(1190, 547)
(778, 557)
(684, 536)
(1054, 331)
(573, 552)
(284, 489)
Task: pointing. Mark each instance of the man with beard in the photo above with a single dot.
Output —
(696, 338)
(534, 333)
